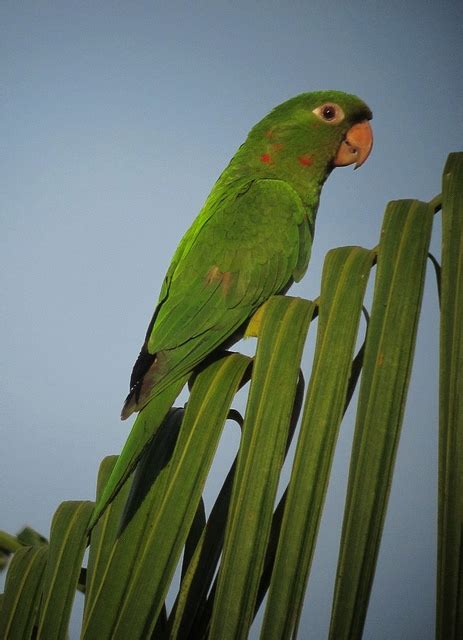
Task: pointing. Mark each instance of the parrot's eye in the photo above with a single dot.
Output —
(329, 112)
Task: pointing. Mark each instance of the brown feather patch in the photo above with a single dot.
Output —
(224, 278)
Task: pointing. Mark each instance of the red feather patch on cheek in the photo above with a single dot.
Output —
(266, 157)
(305, 160)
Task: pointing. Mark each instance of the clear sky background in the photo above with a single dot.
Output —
(116, 119)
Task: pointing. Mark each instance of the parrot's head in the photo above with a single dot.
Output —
(304, 138)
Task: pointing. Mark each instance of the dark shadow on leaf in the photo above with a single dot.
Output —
(156, 456)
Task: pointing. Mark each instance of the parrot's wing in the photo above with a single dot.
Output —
(247, 250)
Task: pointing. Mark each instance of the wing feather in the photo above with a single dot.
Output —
(246, 250)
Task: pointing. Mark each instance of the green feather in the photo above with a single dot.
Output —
(251, 240)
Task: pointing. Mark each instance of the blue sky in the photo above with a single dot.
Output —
(116, 119)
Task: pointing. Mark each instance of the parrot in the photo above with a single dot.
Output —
(253, 237)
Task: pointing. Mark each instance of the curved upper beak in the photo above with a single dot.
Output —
(356, 145)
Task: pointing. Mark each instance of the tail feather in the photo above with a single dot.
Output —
(143, 430)
(149, 370)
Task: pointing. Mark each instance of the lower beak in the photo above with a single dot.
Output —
(356, 146)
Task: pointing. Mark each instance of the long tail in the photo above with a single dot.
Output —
(143, 430)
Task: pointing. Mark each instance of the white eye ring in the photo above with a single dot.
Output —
(330, 113)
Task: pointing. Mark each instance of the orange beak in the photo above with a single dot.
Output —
(356, 146)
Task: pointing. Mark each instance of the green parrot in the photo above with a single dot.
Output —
(253, 237)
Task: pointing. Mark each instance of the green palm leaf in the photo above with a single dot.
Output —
(281, 340)
(402, 256)
(146, 553)
(450, 533)
(344, 281)
(68, 540)
(22, 593)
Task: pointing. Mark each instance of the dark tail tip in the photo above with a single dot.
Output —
(129, 406)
